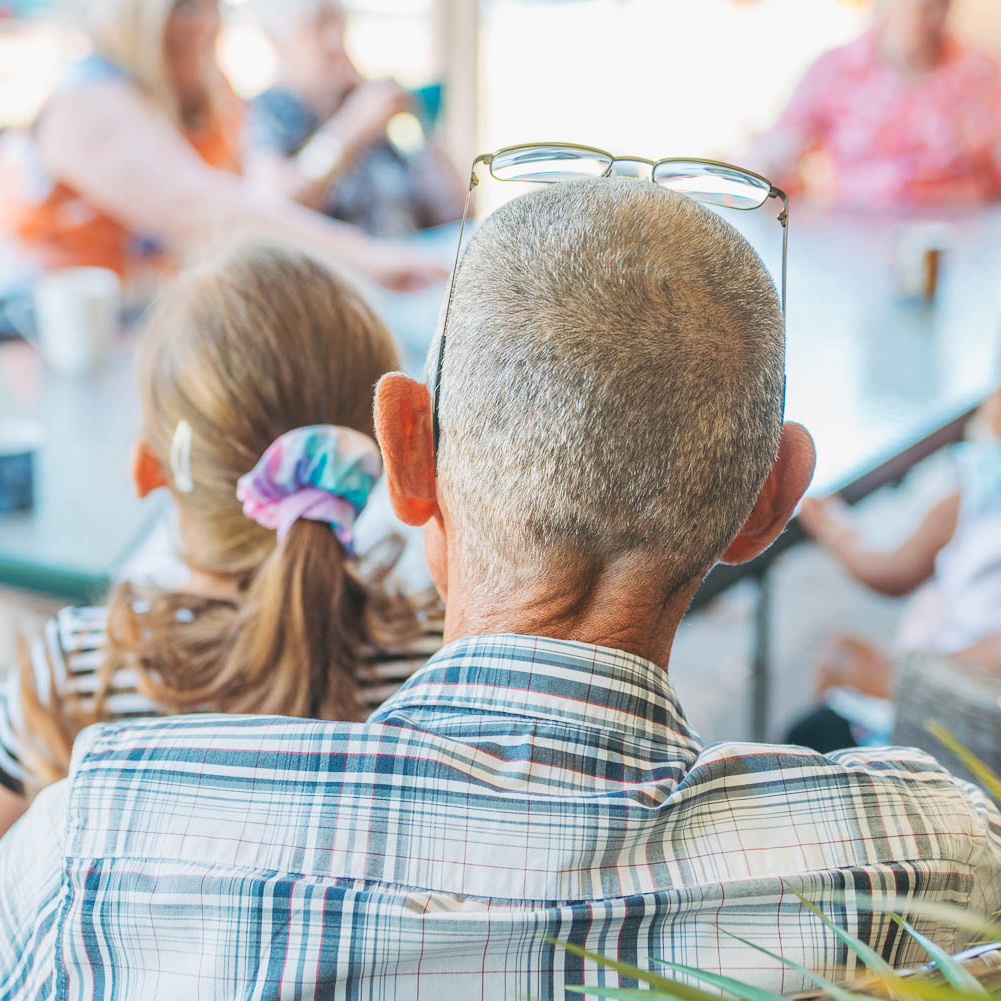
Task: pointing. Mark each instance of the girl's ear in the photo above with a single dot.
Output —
(147, 472)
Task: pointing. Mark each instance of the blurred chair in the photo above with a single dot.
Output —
(964, 700)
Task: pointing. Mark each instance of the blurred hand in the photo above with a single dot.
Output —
(850, 662)
(361, 120)
(989, 413)
(827, 520)
(401, 267)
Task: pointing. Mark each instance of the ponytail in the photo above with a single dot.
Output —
(294, 642)
(298, 631)
(242, 348)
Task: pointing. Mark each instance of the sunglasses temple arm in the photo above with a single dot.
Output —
(784, 220)
(436, 387)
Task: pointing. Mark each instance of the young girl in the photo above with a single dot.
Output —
(950, 565)
(256, 376)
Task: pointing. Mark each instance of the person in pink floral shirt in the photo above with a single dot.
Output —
(904, 116)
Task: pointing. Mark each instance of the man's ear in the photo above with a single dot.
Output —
(403, 427)
(147, 472)
(787, 482)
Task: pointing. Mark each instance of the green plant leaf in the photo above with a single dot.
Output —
(952, 914)
(959, 977)
(835, 990)
(681, 992)
(926, 990)
(745, 992)
(875, 962)
(986, 776)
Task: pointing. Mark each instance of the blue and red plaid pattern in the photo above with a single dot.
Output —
(516, 788)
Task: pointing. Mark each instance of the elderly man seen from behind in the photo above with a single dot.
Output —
(611, 426)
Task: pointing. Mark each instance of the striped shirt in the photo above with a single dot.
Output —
(515, 789)
(69, 655)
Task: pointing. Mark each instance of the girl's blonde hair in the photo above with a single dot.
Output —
(265, 340)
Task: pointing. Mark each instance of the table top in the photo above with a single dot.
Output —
(869, 375)
(86, 519)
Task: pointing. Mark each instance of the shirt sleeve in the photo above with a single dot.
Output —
(277, 121)
(985, 898)
(31, 885)
(976, 815)
(48, 663)
(11, 770)
(978, 467)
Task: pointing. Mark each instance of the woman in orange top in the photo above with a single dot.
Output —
(140, 148)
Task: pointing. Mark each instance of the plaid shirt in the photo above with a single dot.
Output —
(516, 788)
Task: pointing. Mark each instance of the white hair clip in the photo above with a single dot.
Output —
(180, 458)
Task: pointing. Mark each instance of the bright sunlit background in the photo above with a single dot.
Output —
(643, 76)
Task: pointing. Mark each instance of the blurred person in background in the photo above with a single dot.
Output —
(904, 116)
(139, 150)
(949, 566)
(319, 135)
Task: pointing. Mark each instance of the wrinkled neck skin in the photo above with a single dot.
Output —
(624, 606)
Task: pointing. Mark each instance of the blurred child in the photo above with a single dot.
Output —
(951, 565)
(256, 377)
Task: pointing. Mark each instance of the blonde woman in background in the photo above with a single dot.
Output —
(256, 377)
(139, 150)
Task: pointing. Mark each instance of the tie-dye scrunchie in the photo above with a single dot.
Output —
(321, 473)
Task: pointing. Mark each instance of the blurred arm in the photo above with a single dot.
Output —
(306, 177)
(894, 573)
(117, 149)
(272, 174)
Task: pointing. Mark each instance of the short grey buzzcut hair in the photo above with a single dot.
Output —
(613, 383)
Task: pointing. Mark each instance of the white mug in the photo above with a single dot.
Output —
(76, 317)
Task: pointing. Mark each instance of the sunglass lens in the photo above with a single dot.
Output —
(549, 163)
(713, 183)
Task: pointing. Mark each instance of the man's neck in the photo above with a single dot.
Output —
(624, 608)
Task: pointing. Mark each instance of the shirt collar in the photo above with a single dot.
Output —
(542, 678)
